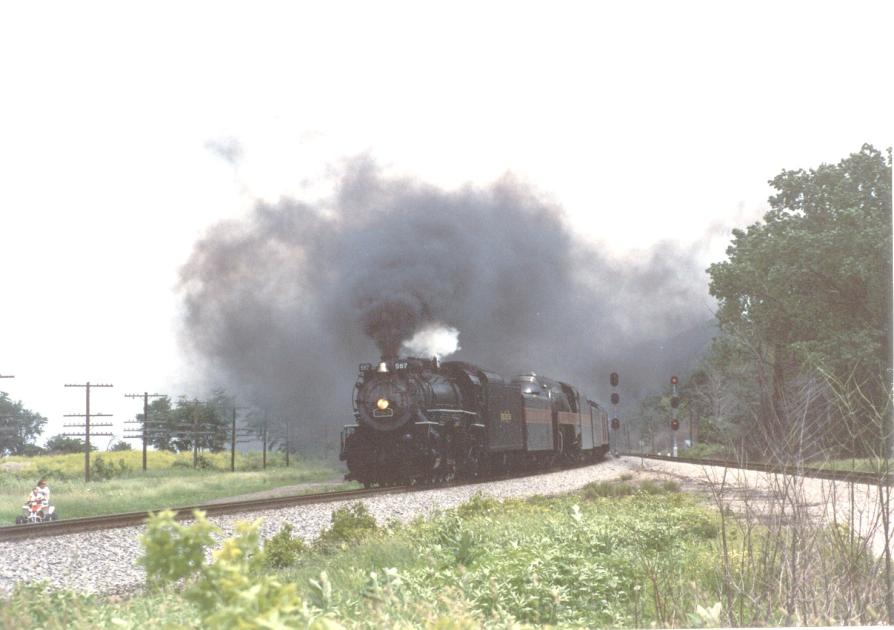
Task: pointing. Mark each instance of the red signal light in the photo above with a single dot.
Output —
(673, 380)
(675, 424)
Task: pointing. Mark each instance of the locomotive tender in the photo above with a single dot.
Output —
(421, 421)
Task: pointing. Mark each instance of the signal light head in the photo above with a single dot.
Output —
(675, 401)
(675, 424)
(615, 399)
(613, 379)
(673, 380)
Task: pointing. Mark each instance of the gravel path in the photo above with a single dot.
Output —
(773, 498)
(105, 562)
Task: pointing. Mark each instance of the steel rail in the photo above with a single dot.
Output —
(785, 469)
(132, 519)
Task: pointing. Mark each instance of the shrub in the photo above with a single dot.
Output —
(665, 486)
(478, 504)
(40, 606)
(100, 470)
(230, 591)
(460, 542)
(173, 551)
(706, 451)
(205, 463)
(351, 523)
(599, 489)
(282, 549)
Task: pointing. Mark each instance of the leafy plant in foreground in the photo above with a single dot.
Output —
(350, 524)
(173, 551)
(231, 591)
(283, 549)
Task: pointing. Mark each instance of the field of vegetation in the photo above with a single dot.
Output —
(614, 554)
(120, 485)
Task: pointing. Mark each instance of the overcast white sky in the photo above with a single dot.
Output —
(644, 120)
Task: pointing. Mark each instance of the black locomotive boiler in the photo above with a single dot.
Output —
(421, 421)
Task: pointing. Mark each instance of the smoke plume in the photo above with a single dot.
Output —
(434, 340)
(282, 306)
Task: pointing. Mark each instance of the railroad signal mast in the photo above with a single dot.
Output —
(614, 380)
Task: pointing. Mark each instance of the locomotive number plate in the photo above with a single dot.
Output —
(505, 416)
(383, 413)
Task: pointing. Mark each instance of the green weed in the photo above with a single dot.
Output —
(282, 549)
(478, 504)
(350, 524)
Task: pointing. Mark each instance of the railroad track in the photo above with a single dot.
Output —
(131, 519)
(804, 471)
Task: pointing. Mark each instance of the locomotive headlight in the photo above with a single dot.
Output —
(382, 404)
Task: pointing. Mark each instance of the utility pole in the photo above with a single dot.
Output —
(86, 426)
(209, 431)
(288, 444)
(145, 396)
(264, 445)
(195, 433)
(234, 434)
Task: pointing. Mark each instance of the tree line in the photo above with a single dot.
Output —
(176, 426)
(802, 360)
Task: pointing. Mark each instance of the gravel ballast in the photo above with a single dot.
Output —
(105, 562)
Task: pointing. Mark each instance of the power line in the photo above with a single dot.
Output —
(86, 425)
(145, 396)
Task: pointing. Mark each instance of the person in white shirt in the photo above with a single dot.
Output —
(42, 492)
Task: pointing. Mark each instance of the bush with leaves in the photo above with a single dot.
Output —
(478, 504)
(101, 471)
(231, 591)
(350, 524)
(459, 541)
(173, 551)
(282, 549)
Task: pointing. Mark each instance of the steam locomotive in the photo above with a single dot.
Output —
(422, 421)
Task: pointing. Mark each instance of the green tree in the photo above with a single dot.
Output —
(161, 424)
(175, 427)
(809, 286)
(19, 427)
(59, 444)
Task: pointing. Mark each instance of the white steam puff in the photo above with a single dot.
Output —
(433, 340)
